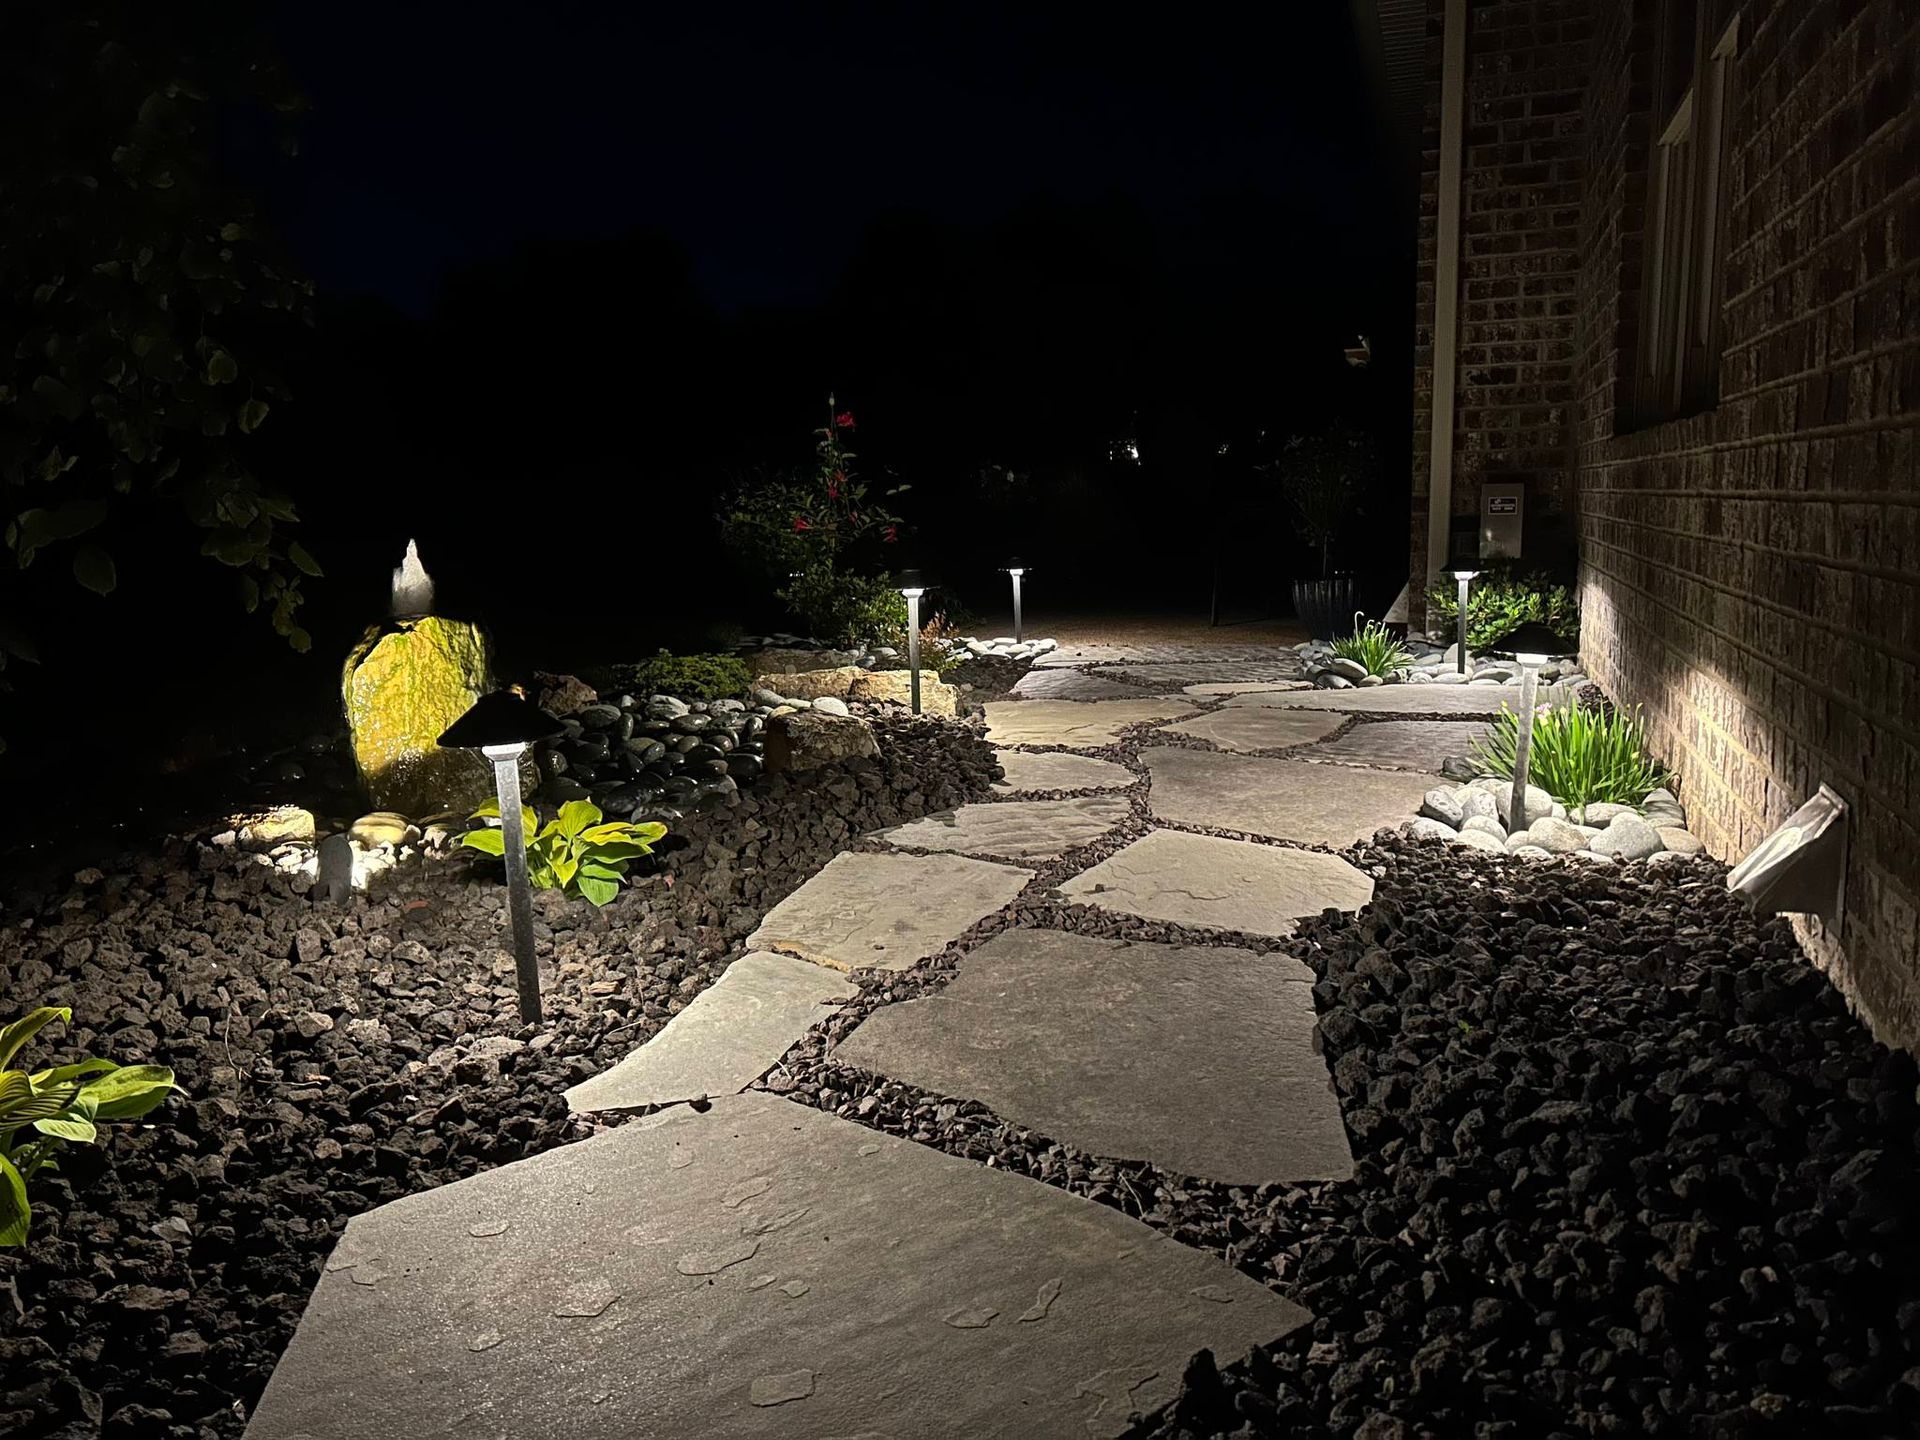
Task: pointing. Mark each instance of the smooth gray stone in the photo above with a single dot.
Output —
(1221, 884)
(333, 881)
(1331, 805)
(1046, 770)
(1203, 1060)
(1261, 729)
(1017, 829)
(1074, 724)
(886, 912)
(1483, 700)
(762, 1271)
(1402, 744)
(725, 1039)
(1073, 685)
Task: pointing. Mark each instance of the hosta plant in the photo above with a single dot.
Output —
(41, 1110)
(1372, 646)
(1578, 756)
(578, 851)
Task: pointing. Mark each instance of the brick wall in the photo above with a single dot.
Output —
(1527, 66)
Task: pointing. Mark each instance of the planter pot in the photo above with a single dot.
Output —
(1325, 607)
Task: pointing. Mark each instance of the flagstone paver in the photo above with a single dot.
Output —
(1215, 657)
(1243, 687)
(1223, 884)
(760, 1270)
(1398, 744)
(1484, 700)
(1201, 1059)
(1082, 724)
(1331, 805)
(1194, 672)
(1261, 729)
(1016, 829)
(886, 911)
(1073, 685)
(1054, 770)
(725, 1039)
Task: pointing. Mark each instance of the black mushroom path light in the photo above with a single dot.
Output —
(1531, 645)
(1016, 567)
(1463, 568)
(913, 585)
(500, 725)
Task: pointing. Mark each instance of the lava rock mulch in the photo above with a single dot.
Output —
(1626, 1166)
(333, 1058)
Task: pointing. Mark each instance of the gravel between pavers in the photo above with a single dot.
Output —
(335, 1058)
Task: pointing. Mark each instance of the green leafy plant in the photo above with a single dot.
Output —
(577, 852)
(42, 1110)
(1498, 602)
(1324, 478)
(1372, 646)
(690, 677)
(1578, 756)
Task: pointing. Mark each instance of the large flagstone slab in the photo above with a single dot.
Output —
(1283, 666)
(1397, 744)
(761, 1270)
(886, 912)
(1079, 655)
(1222, 884)
(1261, 728)
(1073, 685)
(1016, 829)
(1484, 700)
(1203, 1060)
(725, 1039)
(1331, 805)
(1056, 770)
(1086, 725)
(1243, 687)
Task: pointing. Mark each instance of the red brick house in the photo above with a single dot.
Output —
(1668, 284)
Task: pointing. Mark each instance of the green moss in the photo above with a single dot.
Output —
(690, 677)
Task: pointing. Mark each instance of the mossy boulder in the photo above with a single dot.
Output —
(403, 684)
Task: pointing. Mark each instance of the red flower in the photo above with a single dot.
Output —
(833, 491)
(844, 419)
(800, 523)
(890, 533)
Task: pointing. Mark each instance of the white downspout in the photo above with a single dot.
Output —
(1446, 287)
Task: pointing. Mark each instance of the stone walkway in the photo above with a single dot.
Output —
(755, 1266)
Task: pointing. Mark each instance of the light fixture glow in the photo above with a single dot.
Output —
(913, 586)
(1016, 568)
(1801, 868)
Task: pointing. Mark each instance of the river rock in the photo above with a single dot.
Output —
(1628, 837)
(1557, 836)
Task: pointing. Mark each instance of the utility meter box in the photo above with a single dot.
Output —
(1503, 513)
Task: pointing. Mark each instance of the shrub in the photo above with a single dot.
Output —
(1324, 478)
(1373, 646)
(577, 852)
(1578, 756)
(1496, 603)
(846, 609)
(691, 677)
(42, 1110)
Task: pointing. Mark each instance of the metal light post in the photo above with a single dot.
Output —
(1531, 644)
(913, 587)
(1463, 570)
(501, 725)
(1016, 567)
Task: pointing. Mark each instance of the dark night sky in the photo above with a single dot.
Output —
(763, 138)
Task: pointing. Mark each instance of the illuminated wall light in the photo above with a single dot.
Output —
(913, 587)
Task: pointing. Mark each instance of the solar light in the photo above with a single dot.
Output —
(500, 725)
(1530, 645)
(1016, 567)
(913, 587)
(1801, 868)
(1463, 568)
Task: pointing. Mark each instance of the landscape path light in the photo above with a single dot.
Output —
(1532, 645)
(1016, 567)
(913, 587)
(1463, 568)
(500, 725)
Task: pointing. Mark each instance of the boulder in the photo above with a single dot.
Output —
(810, 684)
(791, 662)
(383, 828)
(264, 829)
(1443, 805)
(895, 687)
(1628, 837)
(808, 739)
(403, 684)
(563, 695)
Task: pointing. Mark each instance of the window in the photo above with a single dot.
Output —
(1677, 369)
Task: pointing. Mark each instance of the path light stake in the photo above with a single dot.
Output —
(1531, 644)
(1463, 569)
(500, 725)
(913, 587)
(1016, 567)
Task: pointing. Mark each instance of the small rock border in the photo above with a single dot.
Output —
(1430, 665)
(1477, 816)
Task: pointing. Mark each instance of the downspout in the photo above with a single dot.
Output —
(1446, 287)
